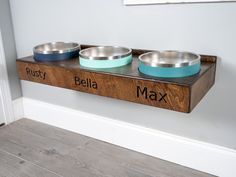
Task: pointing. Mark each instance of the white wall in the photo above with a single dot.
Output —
(9, 48)
(201, 28)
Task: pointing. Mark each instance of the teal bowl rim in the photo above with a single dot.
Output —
(167, 72)
(96, 64)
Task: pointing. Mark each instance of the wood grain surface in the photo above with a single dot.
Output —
(33, 149)
(125, 83)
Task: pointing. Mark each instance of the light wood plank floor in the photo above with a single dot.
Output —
(33, 149)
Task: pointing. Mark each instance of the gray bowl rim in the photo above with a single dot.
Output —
(170, 65)
(72, 49)
(105, 58)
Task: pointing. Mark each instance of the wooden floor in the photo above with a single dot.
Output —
(33, 149)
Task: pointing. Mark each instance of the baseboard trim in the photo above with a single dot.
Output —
(198, 155)
(18, 108)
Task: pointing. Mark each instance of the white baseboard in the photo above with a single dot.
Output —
(18, 108)
(198, 155)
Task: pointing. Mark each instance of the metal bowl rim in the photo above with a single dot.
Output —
(105, 58)
(72, 49)
(168, 65)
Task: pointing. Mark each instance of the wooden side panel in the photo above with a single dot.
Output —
(201, 86)
(153, 93)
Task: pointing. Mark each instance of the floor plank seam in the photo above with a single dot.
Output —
(31, 163)
(55, 152)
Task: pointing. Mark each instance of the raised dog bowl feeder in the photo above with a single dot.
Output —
(105, 57)
(127, 82)
(56, 51)
(169, 64)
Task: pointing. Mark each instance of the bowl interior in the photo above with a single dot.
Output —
(104, 52)
(169, 58)
(174, 57)
(56, 47)
(151, 57)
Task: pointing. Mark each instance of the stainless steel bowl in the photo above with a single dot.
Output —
(169, 59)
(56, 47)
(56, 51)
(105, 53)
(105, 57)
(169, 64)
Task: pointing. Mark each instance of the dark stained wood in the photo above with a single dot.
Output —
(33, 149)
(125, 83)
(201, 86)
